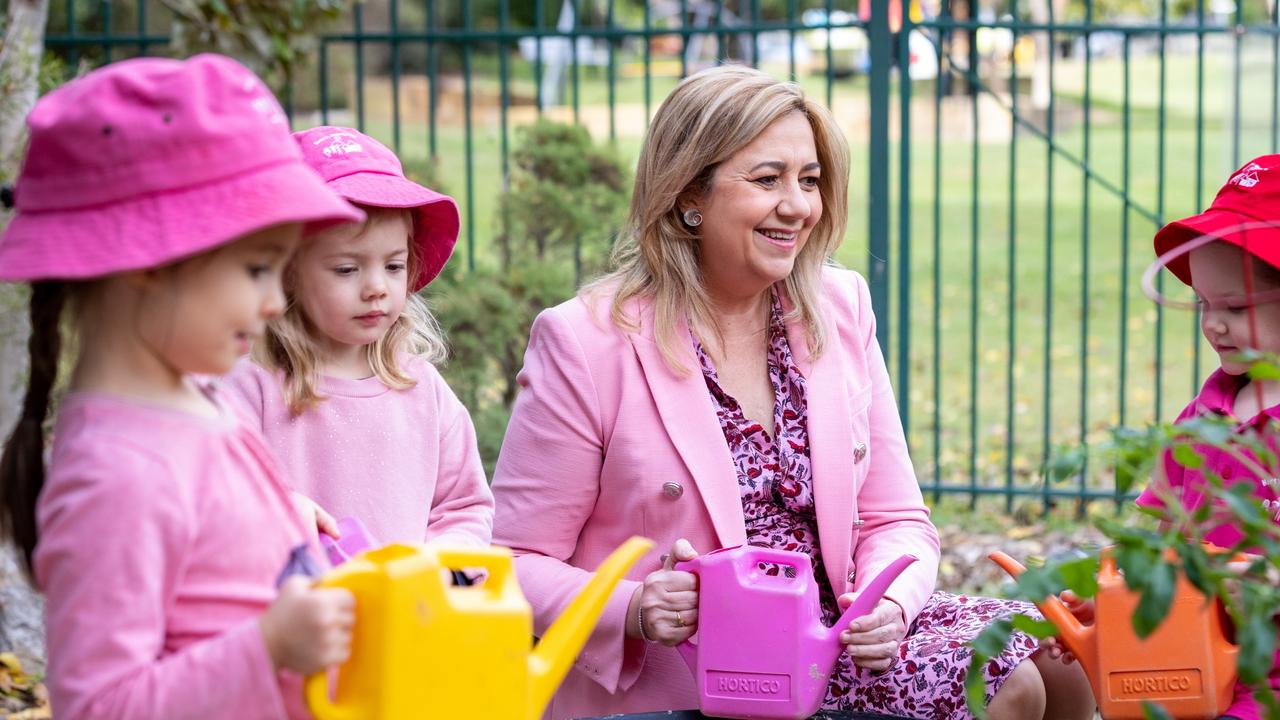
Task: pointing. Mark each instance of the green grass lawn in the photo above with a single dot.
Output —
(1077, 360)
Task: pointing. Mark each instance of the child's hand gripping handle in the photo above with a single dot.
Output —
(316, 687)
(1079, 638)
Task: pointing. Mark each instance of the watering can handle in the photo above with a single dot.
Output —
(751, 555)
(317, 694)
(497, 561)
(1078, 638)
(316, 686)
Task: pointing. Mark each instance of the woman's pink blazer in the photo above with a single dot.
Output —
(601, 424)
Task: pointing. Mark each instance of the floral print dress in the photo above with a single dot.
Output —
(774, 477)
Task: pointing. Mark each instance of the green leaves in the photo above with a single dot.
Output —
(1065, 463)
(989, 643)
(272, 37)
(566, 196)
(1187, 457)
(1035, 628)
(1257, 637)
(1080, 576)
(1157, 596)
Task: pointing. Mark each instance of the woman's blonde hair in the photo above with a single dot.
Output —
(708, 118)
(290, 346)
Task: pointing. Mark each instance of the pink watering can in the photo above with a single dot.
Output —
(762, 650)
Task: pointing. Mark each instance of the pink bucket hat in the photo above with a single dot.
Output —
(366, 172)
(151, 160)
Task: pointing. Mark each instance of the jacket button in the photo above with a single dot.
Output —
(859, 452)
(672, 489)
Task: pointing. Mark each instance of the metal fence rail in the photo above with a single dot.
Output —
(1003, 229)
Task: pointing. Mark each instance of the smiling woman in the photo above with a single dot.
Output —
(723, 386)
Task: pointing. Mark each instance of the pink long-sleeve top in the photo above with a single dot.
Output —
(405, 462)
(161, 537)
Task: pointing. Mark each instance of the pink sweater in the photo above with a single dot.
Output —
(404, 462)
(161, 535)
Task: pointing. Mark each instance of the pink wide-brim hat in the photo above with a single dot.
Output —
(148, 161)
(366, 172)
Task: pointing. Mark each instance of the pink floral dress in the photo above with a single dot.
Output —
(774, 477)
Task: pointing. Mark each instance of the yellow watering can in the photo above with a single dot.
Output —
(424, 647)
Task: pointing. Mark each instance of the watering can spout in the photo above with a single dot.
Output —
(1078, 638)
(553, 656)
(866, 600)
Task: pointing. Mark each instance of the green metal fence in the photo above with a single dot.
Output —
(1011, 163)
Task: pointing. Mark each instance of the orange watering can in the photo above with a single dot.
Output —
(1187, 665)
(424, 647)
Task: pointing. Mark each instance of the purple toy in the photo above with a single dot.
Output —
(355, 540)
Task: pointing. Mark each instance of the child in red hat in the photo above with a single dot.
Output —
(1230, 255)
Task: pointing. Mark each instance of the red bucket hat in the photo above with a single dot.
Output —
(151, 160)
(366, 172)
(1245, 213)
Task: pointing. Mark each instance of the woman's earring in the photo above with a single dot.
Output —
(692, 217)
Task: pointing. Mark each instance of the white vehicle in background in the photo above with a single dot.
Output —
(922, 56)
(851, 50)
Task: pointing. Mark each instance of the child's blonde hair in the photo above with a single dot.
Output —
(290, 346)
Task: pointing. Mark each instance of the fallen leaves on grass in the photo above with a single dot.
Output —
(22, 696)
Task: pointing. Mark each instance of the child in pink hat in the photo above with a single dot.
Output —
(160, 200)
(344, 383)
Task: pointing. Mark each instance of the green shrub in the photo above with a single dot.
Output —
(565, 199)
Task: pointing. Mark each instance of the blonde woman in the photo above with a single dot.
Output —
(343, 384)
(724, 386)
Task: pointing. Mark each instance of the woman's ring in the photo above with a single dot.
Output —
(679, 619)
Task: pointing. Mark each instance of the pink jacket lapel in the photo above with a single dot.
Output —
(690, 421)
(830, 446)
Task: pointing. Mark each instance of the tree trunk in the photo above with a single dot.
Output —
(21, 627)
(19, 75)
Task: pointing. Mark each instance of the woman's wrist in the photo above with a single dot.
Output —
(640, 623)
(635, 617)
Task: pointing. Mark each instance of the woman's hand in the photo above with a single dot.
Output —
(872, 640)
(1083, 610)
(667, 602)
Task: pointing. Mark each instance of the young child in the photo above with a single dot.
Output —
(1236, 278)
(344, 384)
(161, 199)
